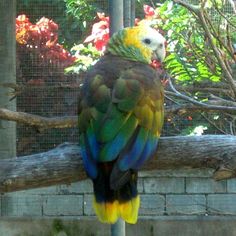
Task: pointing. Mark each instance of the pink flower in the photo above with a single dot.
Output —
(148, 10)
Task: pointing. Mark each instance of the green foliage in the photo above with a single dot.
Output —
(83, 13)
(86, 56)
(82, 10)
(190, 59)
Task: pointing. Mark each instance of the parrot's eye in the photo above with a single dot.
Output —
(147, 41)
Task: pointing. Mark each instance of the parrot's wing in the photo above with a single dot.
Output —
(120, 121)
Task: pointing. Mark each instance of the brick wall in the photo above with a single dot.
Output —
(163, 193)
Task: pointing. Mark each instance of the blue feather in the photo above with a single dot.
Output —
(89, 165)
(130, 158)
(112, 150)
(148, 151)
(93, 144)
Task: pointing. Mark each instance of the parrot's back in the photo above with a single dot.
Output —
(120, 120)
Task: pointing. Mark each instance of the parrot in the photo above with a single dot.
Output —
(120, 117)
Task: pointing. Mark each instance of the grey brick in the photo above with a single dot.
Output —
(221, 203)
(63, 205)
(164, 185)
(88, 205)
(205, 185)
(19, 204)
(185, 204)
(140, 185)
(231, 185)
(84, 186)
(152, 204)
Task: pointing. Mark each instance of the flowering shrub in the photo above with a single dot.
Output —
(42, 39)
(100, 33)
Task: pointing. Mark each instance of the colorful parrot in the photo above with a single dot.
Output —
(120, 120)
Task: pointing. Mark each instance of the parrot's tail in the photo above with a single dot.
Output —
(110, 205)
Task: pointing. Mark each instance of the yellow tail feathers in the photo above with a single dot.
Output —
(109, 212)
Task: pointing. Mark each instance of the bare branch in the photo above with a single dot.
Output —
(71, 121)
(194, 88)
(187, 107)
(220, 101)
(199, 104)
(64, 165)
(38, 121)
(192, 8)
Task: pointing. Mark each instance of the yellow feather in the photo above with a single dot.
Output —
(144, 115)
(132, 38)
(157, 123)
(109, 212)
(129, 210)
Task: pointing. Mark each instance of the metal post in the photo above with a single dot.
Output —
(132, 13)
(127, 13)
(118, 229)
(116, 15)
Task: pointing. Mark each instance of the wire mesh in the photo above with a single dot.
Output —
(45, 91)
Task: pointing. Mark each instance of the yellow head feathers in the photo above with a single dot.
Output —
(139, 43)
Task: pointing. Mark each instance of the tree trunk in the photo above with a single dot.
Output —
(7, 74)
(64, 165)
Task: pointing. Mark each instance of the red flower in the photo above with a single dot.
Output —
(42, 39)
(100, 33)
(148, 10)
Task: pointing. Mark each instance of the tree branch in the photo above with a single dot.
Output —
(192, 8)
(64, 165)
(43, 123)
(202, 105)
(38, 121)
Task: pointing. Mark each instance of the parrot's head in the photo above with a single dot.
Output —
(139, 43)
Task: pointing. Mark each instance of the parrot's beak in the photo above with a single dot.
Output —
(156, 55)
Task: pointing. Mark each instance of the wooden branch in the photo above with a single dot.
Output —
(38, 121)
(64, 165)
(42, 123)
